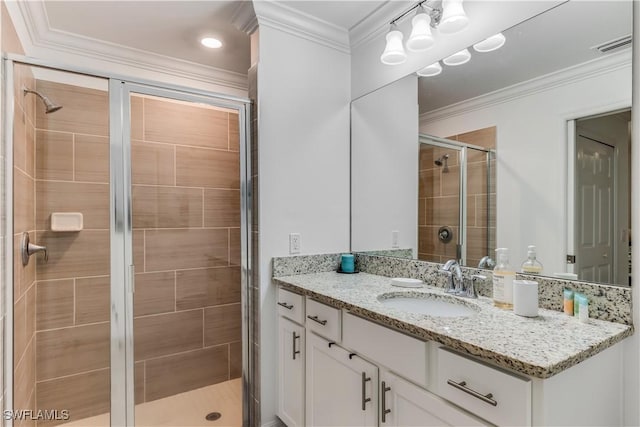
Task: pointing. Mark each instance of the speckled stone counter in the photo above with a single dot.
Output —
(540, 347)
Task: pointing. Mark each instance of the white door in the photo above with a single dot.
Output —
(405, 404)
(342, 389)
(594, 210)
(291, 352)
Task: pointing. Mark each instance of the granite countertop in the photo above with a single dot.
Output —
(539, 347)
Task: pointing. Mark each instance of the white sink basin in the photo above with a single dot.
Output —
(428, 304)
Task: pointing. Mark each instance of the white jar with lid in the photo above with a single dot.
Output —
(525, 298)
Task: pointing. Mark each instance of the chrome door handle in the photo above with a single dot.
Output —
(365, 399)
(295, 337)
(315, 319)
(462, 385)
(384, 409)
(27, 249)
(285, 305)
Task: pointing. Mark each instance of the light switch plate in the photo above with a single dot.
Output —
(294, 243)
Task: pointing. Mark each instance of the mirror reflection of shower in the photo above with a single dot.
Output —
(443, 160)
(49, 105)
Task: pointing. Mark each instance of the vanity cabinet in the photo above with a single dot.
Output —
(291, 358)
(338, 369)
(405, 404)
(342, 388)
(291, 372)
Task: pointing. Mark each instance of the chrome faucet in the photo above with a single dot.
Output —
(469, 288)
(487, 262)
(452, 270)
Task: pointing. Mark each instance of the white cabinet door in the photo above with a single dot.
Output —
(291, 351)
(405, 404)
(341, 388)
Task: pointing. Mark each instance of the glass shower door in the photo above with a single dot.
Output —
(186, 251)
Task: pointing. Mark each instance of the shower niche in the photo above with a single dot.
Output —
(457, 197)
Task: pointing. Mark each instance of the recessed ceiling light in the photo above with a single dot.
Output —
(210, 42)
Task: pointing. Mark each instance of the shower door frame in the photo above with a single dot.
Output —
(122, 402)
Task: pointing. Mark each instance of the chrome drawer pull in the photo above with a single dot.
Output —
(365, 399)
(462, 386)
(385, 411)
(315, 319)
(285, 305)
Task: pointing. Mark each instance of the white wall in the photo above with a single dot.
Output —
(532, 154)
(384, 170)
(486, 19)
(632, 344)
(303, 126)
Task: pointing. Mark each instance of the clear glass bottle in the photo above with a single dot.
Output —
(531, 265)
(503, 277)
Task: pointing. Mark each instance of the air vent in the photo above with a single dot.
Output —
(613, 45)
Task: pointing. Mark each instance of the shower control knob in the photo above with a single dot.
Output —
(445, 234)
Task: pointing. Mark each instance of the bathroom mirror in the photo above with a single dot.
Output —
(525, 145)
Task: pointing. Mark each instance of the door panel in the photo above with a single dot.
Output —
(595, 188)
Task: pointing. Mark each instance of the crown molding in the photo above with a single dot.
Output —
(244, 17)
(376, 24)
(38, 34)
(291, 21)
(536, 85)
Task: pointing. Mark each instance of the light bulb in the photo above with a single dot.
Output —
(394, 53)
(430, 70)
(420, 38)
(453, 18)
(458, 58)
(211, 43)
(492, 43)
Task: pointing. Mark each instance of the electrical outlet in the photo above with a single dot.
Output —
(395, 238)
(294, 243)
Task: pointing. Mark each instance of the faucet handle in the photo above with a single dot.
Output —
(478, 277)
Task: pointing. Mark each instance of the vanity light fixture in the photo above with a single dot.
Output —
(447, 16)
(421, 38)
(458, 58)
(453, 18)
(430, 70)
(394, 53)
(211, 43)
(490, 44)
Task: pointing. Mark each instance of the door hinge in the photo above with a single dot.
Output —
(571, 259)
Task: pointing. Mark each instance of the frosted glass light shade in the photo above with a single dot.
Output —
(430, 70)
(453, 18)
(492, 43)
(458, 58)
(394, 53)
(420, 38)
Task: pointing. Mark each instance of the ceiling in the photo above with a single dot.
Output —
(551, 41)
(170, 28)
(173, 28)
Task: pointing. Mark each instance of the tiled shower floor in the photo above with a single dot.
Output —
(184, 409)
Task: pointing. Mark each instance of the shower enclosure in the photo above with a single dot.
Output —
(130, 306)
(456, 201)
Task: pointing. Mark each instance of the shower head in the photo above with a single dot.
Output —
(49, 106)
(442, 160)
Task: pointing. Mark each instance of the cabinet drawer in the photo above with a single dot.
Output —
(468, 383)
(291, 305)
(324, 320)
(402, 354)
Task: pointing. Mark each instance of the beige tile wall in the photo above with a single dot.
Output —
(438, 202)
(186, 218)
(186, 239)
(24, 292)
(72, 351)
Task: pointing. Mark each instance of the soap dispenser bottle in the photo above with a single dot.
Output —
(531, 265)
(503, 277)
